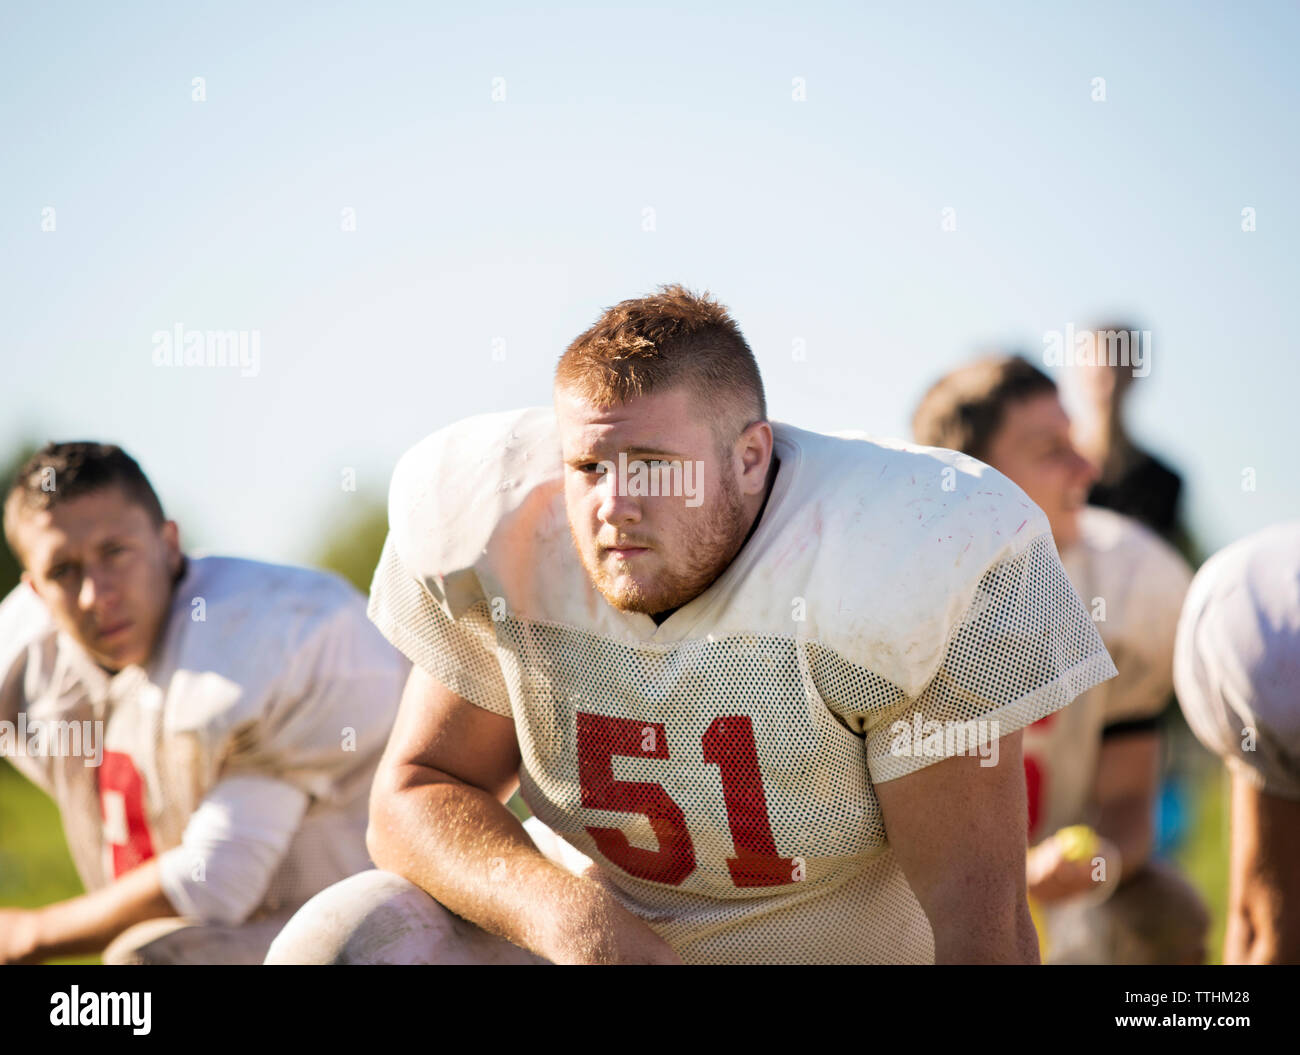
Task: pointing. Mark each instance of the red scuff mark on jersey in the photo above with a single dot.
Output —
(1022, 524)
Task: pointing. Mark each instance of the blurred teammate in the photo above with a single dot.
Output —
(1096, 762)
(720, 657)
(1237, 670)
(208, 727)
(1130, 480)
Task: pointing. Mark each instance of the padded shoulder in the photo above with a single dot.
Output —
(470, 504)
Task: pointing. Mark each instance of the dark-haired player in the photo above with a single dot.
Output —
(208, 727)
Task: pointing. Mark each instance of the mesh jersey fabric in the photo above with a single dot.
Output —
(1237, 658)
(720, 767)
(1133, 583)
(261, 671)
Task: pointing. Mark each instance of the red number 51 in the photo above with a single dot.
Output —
(728, 744)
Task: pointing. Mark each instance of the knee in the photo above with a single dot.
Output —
(155, 941)
(373, 917)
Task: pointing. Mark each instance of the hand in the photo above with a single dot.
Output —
(607, 933)
(1054, 873)
(18, 936)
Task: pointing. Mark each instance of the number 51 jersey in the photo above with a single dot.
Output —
(720, 767)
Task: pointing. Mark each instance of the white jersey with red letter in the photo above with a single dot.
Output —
(241, 754)
(1133, 583)
(720, 767)
(1237, 662)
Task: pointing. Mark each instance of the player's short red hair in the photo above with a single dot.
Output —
(670, 338)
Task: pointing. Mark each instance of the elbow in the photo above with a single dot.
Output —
(377, 828)
(382, 822)
(377, 845)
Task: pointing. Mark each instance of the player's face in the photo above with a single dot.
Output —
(1033, 448)
(104, 570)
(645, 551)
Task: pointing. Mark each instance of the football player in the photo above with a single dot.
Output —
(208, 727)
(769, 681)
(1095, 763)
(1237, 671)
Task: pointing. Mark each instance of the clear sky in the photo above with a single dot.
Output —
(491, 231)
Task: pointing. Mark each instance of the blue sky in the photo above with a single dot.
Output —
(508, 225)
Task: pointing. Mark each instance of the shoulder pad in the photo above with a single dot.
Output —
(470, 504)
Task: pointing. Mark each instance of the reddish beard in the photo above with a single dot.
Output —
(706, 547)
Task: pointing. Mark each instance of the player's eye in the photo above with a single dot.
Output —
(60, 572)
(593, 468)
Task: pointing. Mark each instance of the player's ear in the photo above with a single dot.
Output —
(171, 536)
(753, 451)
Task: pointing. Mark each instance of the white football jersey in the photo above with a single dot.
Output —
(720, 766)
(1237, 661)
(1133, 584)
(268, 683)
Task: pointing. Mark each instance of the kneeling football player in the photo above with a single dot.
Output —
(208, 727)
(769, 681)
(1091, 769)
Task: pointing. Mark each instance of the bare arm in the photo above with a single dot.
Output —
(83, 924)
(1128, 778)
(958, 830)
(1264, 878)
(437, 818)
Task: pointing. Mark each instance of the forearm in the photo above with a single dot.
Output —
(1127, 823)
(1264, 878)
(980, 930)
(88, 923)
(467, 850)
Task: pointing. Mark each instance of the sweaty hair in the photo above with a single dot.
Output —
(964, 409)
(673, 337)
(59, 472)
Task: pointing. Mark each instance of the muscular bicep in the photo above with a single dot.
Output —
(958, 831)
(440, 733)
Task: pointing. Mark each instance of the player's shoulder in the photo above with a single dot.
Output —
(23, 616)
(887, 544)
(25, 623)
(905, 493)
(1247, 595)
(1267, 560)
(1237, 656)
(263, 601)
(473, 493)
(1129, 548)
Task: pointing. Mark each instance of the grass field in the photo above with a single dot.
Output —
(35, 868)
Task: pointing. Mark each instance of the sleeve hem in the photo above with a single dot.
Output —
(885, 764)
(1261, 781)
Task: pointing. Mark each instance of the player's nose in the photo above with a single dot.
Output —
(1084, 471)
(96, 592)
(618, 509)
